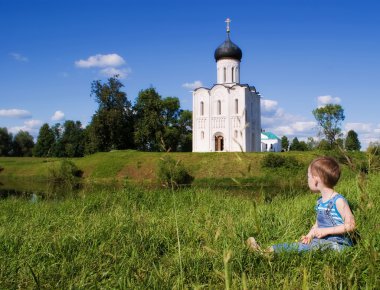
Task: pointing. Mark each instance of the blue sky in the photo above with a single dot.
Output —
(299, 54)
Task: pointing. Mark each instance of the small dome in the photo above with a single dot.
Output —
(228, 49)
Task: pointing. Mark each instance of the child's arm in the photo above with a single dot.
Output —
(348, 218)
(307, 239)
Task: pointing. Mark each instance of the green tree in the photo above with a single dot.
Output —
(111, 125)
(352, 142)
(374, 148)
(311, 143)
(5, 142)
(324, 145)
(294, 145)
(73, 139)
(298, 145)
(170, 112)
(45, 142)
(285, 143)
(148, 120)
(185, 125)
(329, 119)
(58, 149)
(23, 144)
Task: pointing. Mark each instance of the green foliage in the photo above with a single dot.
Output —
(45, 142)
(5, 142)
(374, 148)
(285, 143)
(111, 125)
(298, 145)
(148, 120)
(172, 173)
(275, 160)
(126, 239)
(329, 119)
(23, 144)
(352, 142)
(72, 139)
(324, 145)
(64, 175)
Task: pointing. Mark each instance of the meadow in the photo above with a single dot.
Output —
(134, 237)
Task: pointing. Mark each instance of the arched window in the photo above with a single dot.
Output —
(219, 108)
(236, 106)
(232, 73)
(202, 108)
(224, 74)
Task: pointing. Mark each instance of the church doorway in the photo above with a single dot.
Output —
(219, 143)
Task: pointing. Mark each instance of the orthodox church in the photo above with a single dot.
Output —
(227, 116)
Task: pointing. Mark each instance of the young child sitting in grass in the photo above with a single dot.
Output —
(334, 217)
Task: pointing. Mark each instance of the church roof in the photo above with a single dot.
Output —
(228, 49)
(269, 135)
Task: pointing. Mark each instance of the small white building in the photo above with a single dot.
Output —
(227, 116)
(270, 142)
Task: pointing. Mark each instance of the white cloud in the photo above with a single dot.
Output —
(268, 105)
(58, 116)
(101, 60)
(111, 71)
(324, 100)
(30, 126)
(359, 127)
(18, 57)
(275, 119)
(304, 126)
(192, 86)
(15, 113)
(33, 123)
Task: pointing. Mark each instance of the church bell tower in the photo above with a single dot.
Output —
(226, 117)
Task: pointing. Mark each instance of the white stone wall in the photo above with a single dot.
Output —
(240, 128)
(270, 145)
(228, 71)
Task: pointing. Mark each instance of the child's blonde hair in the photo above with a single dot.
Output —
(327, 169)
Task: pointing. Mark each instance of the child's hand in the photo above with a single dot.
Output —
(306, 239)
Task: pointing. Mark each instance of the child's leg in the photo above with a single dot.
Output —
(254, 246)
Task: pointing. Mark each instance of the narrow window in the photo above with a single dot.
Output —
(236, 106)
(224, 74)
(219, 108)
(202, 109)
(236, 133)
(232, 73)
(202, 135)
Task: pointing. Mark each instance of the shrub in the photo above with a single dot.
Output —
(64, 175)
(172, 173)
(276, 160)
(374, 148)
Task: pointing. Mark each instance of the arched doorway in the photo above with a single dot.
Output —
(219, 143)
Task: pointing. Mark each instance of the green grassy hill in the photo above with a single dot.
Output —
(138, 166)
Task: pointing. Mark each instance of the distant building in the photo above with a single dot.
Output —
(270, 142)
(227, 117)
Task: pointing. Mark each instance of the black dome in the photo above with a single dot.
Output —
(228, 49)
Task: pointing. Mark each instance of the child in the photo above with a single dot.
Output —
(334, 217)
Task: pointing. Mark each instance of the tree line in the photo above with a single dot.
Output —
(329, 119)
(153, 123)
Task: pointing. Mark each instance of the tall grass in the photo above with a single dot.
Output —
(130, 238)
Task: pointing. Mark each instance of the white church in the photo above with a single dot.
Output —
(226, 117)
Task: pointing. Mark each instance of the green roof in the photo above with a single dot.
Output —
(270, 135)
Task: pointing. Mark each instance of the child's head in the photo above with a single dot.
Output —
(327, 169)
